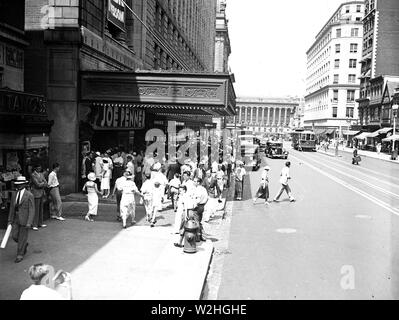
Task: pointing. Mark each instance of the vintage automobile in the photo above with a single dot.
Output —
(274, 149)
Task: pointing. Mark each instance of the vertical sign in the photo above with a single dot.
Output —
(116, 13)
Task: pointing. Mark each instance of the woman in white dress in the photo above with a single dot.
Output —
(128, 202)
(106, 176)
(92, 196)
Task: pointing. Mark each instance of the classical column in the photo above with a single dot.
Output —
(239, 113)
(268, 117)
(274, 116)
(245, 114)
(263, 117)
(285, 117)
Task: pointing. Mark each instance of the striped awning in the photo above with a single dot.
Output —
(350, 132)
(391, 138)
(362, 136)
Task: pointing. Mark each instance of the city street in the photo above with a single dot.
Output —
(339, 240)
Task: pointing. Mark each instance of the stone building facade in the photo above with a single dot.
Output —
(69, 38)
(265, 115)
(333, 71)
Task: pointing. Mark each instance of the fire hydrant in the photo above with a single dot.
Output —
(190, 234)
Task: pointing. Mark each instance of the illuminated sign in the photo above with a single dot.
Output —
(116, 13)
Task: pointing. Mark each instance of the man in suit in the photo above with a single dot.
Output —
(38, 183)
(22, 213)
(173, 168)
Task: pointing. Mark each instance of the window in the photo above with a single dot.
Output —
(335, 112)
(336, 78)
(358, 8)
(336, 63)
(338, 33)
(353, 48)
(350, 96)
(337, 48)
(354, 32)
(349, 112)
(358, 18)
(347, 9)
(352, 78)
(335, 96)
(352, 63)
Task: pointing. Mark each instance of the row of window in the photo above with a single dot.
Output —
(352, 48)
(369, 6)
(354, 32)
(352, 63)
(321, 57)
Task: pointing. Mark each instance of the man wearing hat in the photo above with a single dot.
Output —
(21, 215)
(263, 191)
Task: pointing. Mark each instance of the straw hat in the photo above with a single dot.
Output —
(91, 176)
(20, 180)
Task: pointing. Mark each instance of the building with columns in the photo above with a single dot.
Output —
(265, 115)
(333, 71)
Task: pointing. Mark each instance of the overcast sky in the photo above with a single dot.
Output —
(269, 40)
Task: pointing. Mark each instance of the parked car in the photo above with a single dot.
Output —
(274, 149)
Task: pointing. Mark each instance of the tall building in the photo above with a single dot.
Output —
(379, 64)
(265, 115)
(113, 69)
(222, 48)
(333, 71)
(24, 123)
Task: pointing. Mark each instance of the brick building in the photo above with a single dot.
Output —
(99, 60)
(379, 64)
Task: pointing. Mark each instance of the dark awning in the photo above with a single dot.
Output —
(164, 91)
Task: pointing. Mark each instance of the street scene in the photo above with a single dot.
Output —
(145, 155)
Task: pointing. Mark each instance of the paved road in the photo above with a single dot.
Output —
(339, 240)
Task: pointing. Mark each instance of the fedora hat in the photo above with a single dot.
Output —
(20, 180)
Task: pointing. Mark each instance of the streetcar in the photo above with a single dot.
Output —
(249, 148)
(304, 140)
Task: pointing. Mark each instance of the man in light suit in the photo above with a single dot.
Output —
(22, 213)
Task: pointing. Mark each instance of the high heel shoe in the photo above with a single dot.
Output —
(87, 218)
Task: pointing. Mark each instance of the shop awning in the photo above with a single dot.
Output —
(350, 132)
(391, 138)
(384, 130)
(319, 131)
(330, 131)
(363, 136)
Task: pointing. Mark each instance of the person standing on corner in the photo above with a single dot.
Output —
(54, 185)
(284, 177)
(118, 189)
(21, 215)
(38, 183)
(128, 203)
(240, 172)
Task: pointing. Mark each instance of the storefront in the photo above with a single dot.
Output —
(24, 137)
(117, 108)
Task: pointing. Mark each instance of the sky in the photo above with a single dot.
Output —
(269, 40)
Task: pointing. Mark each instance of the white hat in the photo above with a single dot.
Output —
(91, 176)
(157, 166)
(98, 153)
(20, 180)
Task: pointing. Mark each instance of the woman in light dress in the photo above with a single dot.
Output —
(92, 196)
(106, 177)
(128, 202)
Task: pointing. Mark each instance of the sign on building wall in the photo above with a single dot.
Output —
(109, 117)
(116, 13)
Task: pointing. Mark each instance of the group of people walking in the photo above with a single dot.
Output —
(263, 190)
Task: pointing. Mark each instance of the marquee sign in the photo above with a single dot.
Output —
(116, 13)
(116, 117)
(14, 102)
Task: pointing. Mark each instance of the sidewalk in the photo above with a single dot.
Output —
(108, 262)
(363, 153)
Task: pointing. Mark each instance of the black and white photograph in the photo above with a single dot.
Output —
(195, 156)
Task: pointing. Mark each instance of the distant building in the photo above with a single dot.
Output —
(379, 64)
(265, 115)
(222, 48)
(333, 70)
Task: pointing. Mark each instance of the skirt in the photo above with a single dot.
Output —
(92, 199)
(263, 192)
(128, 206)
(105, 183)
